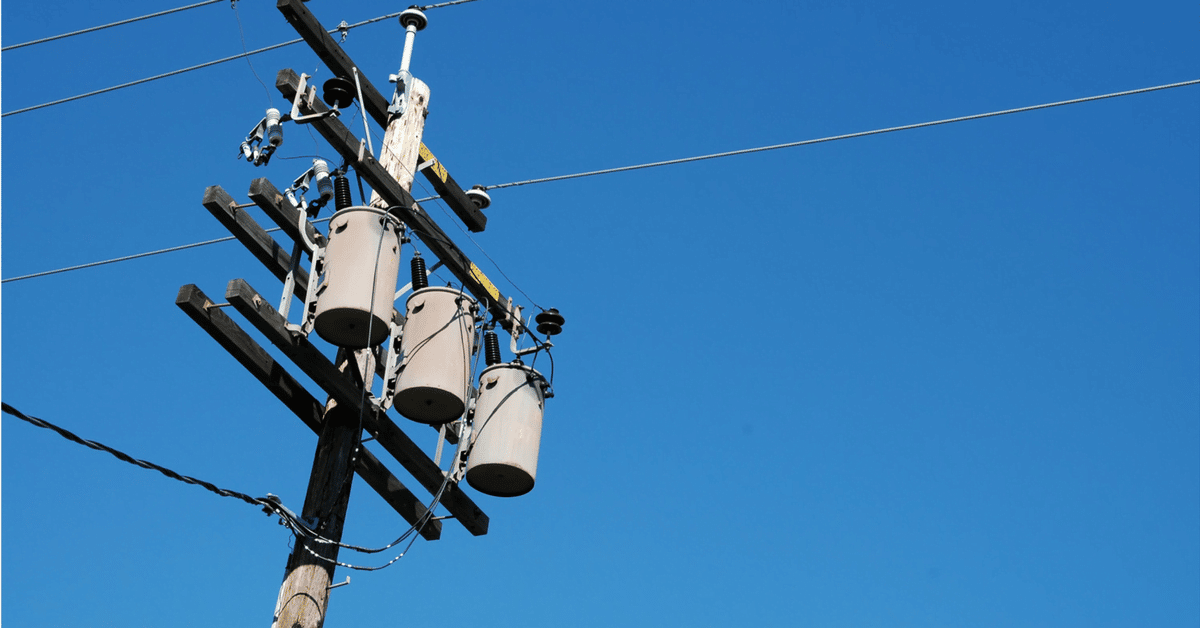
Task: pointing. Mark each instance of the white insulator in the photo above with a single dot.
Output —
(507, 430)
(439, 338)
(274, 129)
(362, 259)
(324, 183)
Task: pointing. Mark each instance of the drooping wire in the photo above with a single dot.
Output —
(834, 138)
(187, 69)
(104, 26)
(242, 36)
(680, 161)
(270, 504)
(254, 501)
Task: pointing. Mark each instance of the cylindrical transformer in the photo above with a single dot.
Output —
(439, 337)
(362, 259)
(507, 430)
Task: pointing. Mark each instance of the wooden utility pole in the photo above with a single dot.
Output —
(402, 142)
(304, 595)
(303, 598)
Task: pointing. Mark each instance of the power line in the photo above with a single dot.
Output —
(148, 79)
(687, 160)
(172, 249)
(188, 69)
(444, 4)
(104, 26)
(254, 501)
(832, 138)
(120, 259)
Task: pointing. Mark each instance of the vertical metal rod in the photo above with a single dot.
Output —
(410, 34)
(362, 105)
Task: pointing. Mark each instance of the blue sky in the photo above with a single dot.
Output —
(944, 377)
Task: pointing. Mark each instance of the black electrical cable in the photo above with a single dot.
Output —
(254, 501)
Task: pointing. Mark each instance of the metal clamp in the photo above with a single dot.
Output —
(269, 129)
(318, 173)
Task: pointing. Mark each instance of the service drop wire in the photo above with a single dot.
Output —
(265, 502)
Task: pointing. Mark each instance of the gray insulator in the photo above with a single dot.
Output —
(324, 183)
(274, 129)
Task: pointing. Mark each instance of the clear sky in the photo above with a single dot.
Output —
(945, 377)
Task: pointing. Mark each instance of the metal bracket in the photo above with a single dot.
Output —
(344, 29)
(316, 269)
(340, 584)
(519, 328)
(403, 80)
(458, 466)
(307, 94)
(391, 369)
(319, 173)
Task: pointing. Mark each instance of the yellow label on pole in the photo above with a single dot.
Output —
(438, 169)
(487, 284)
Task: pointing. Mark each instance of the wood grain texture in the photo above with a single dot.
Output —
(402, 141)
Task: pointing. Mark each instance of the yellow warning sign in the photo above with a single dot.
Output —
(487, 284)
(427, 155)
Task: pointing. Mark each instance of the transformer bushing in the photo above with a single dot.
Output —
(439, 338)
(507, 430)
(362, 260)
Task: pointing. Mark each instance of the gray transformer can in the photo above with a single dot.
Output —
(362, 259)
(507, 430)
(435, 371)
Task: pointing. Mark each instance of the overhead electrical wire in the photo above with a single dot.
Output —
(270, 504)
(833, 138)
(124, 457)
(671, 162)
(153, 253)
(187, 69)
(340, 29)
(104, 26)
